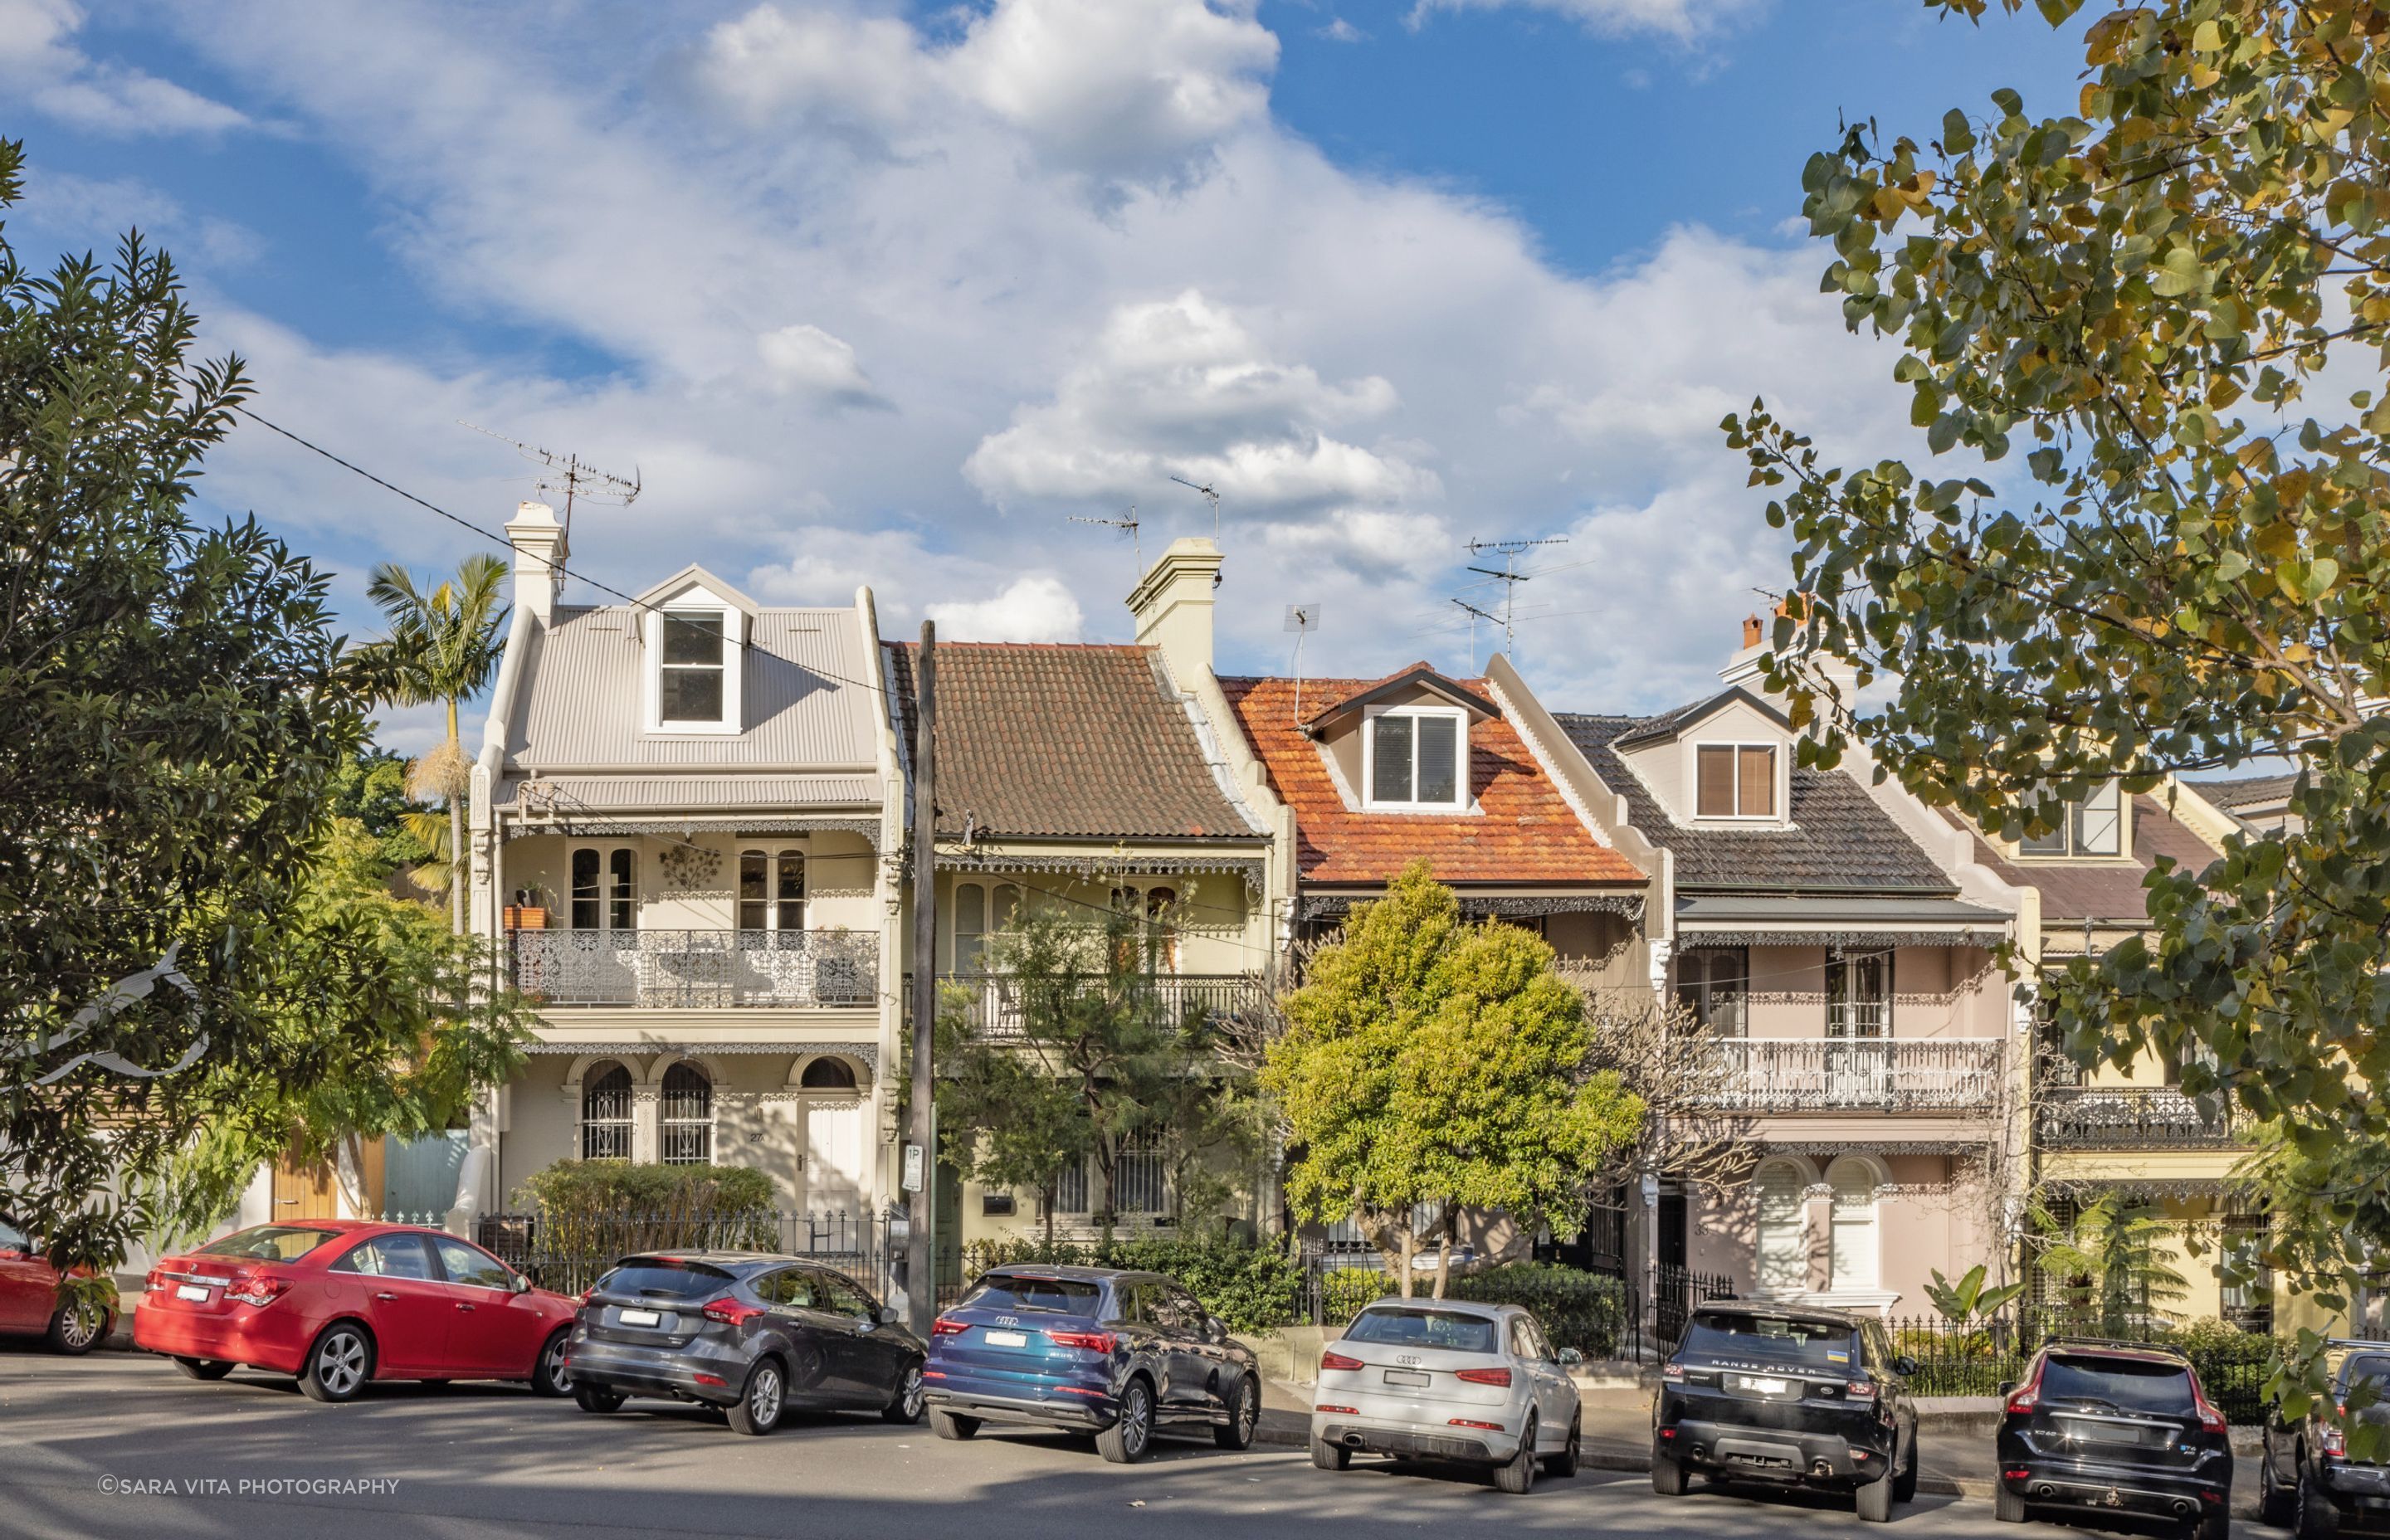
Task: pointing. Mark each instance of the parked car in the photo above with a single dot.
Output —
(1785, 1394)
(1448, 1381)
(2120, 1428)
(32, 1305)
(1121, 1355)
(341, 1303)
(751, 1333)
(2306, 1479)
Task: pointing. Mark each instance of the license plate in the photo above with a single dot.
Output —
(1007, 1338)
(192, 1292)
(641, 1318)
(1763, 1386)
(1407, 1377)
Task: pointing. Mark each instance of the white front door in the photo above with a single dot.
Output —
(834, 1156)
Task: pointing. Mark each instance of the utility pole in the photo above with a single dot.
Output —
(920, 1159)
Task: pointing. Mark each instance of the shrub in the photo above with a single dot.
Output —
(648, 1189)
(1586, 1311)
(1252, 1287)
(1348, 1290)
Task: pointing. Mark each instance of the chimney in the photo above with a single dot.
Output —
(1750, 632)
(1172, 606)
(540, 554)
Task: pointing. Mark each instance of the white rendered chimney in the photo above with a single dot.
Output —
(1172, 606)
(540, 555)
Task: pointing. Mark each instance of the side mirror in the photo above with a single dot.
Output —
(1904, 1365)
(1571, 1357)
(522, 1284)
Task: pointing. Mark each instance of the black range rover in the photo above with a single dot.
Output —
(2104, 1426)
(1768, 1393)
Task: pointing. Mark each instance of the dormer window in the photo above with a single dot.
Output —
(1414, 759)
(1735, 781)
(688, 690)
(2093, 826)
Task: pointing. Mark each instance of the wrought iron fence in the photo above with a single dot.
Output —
(1826, 1074)
(685, 969)
(2129, 1117)
(570, 1251)
(1979, 1358)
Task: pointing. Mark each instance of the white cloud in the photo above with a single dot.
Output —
(1682, 19)
(803, 357)
(38, 59)
(1037, 608)
(1341, 31)
(92, 214)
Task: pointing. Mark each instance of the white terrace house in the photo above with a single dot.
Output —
(687, 814)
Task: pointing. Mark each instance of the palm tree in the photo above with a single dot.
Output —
(444, 645)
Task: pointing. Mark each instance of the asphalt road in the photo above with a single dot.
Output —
(122, 1445)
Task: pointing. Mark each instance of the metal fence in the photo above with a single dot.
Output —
(1979, 1357)
(693, 970)
(1340, 1282)
(570, 1251)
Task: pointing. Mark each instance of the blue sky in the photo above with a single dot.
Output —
(876, 294)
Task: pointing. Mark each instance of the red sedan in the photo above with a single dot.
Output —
(29, 1298)
(338, 1302)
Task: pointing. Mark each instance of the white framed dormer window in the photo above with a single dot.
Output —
(2093, 826)
(1738, 780)
(694, 671)
(1415, 758)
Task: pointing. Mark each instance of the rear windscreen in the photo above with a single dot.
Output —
(658, 1278)
(2367, 1369)
(1059, 1296)
(1448, 1329)
(1729, 1335)
(271, 1242)
(2122, 1384)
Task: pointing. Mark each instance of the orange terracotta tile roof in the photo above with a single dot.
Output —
(1524, 833)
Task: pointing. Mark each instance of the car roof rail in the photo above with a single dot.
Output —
(2373, 1345)
(2115, 1342)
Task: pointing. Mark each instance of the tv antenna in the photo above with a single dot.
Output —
(1475, 615)
(1303, 620)
(1126, 526)
(1509, 577)
(1210, 496)
(569, 473)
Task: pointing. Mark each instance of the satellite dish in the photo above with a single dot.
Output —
(1302, 617)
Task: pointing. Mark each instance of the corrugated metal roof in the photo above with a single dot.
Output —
(569, 794)
(804, 700)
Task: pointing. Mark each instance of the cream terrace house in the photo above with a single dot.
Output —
(686, 819)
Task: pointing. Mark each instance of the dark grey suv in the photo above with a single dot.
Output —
(752, 1334)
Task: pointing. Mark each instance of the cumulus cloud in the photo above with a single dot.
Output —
(1682, 19)
(40, 64)
(1037, 608)
(803, 357)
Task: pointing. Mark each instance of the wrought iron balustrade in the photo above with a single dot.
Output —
(2128, 1117)
(997, 1003)
(1807, 1074)
(687, 970)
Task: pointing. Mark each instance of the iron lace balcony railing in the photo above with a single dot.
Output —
(696, 969)
(2129, 1117)
(996, 1006)
(1807, 1074)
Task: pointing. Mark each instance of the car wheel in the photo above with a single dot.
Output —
(2274, 1504)
(2007, 1506)
(596, 1398)
(338, 1365)
(766, 1396)
(552, 1375)
(1904, 1485)
(2215, 1525)
(76, 1329)
(1517, 1476)
(1131, 1434)
(204, 1368)
(1329, 1456)
(2314, 1517)
(1874, 1500)
(1564, 1464)
(1244, 1416)
(949, 1425)
(1668, 1476)
(906, 1410)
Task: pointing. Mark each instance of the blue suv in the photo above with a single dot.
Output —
(1121, 1355)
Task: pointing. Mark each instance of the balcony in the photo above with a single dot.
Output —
(1809, 1074)
(2128, 1117)
(697, 969)
(995, 1006)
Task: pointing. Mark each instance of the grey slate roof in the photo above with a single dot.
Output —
(1840, 839)
(2247, 791)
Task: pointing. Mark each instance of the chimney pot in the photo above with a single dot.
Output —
(1751, 631)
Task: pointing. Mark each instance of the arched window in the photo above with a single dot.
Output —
(687, 1122)
(586, 913)
(827, 1075)
(1783, 1248)
(605, 1114)
(1853, 1253)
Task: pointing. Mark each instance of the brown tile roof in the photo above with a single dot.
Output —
(1527, 833)
(2103, 889)
(1065, 742)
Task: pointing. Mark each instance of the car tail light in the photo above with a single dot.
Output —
(1085, 1341)
(2026, 1397)
(256, 1289)
(153, 1278)
(1860, 1390)
(1348, 1411)
(1672, 1371)
(2335, 1439)
(1464, 1422)
(1337, 1361)
(2209, 1417)
(948, 1327)
(726, 1311)
(1484, 1377)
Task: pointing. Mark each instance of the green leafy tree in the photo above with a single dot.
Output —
(2133, 297)
(178, 710)
(443, 646)
(371, 788)
(1430, 1064)
(2113, 1264)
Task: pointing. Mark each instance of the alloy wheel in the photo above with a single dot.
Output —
(763, 1399)
(914, 1391)
(77, 1327)
(1137, 1419)
(341, 1362)
(1248, 1411)
(558, 1374)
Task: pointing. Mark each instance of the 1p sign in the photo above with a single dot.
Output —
(912, 1168)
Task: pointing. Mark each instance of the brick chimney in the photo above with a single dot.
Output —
(540, 554)
(1172, 606)
(1751, 631)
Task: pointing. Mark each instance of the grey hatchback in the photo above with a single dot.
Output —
(752, 1334)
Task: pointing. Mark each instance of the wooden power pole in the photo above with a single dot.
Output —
(920, 1278)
